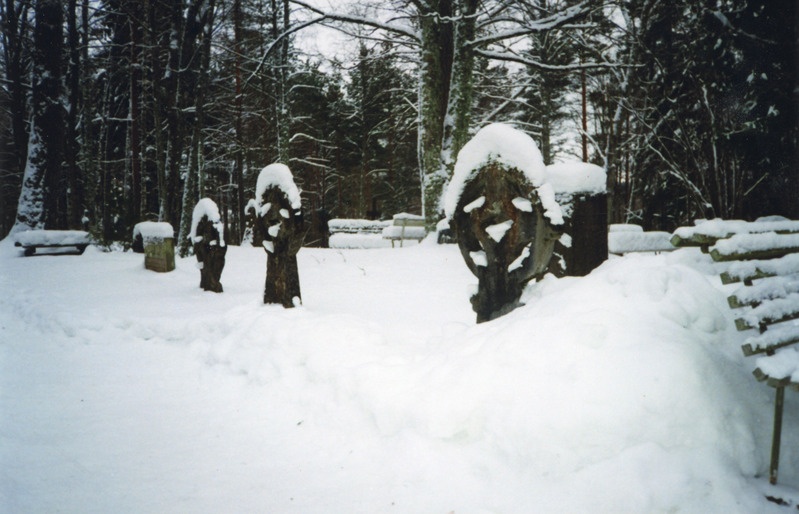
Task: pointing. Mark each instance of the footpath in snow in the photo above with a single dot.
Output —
(128, 391)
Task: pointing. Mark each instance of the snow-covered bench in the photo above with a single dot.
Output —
(404, 227)
(31, 240)
(627, 238)
(356, 233)
(767, 262)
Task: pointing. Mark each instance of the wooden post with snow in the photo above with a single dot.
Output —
(504, 215)
(158, 244)
(580, 189)
(208, 237)
(279, 210)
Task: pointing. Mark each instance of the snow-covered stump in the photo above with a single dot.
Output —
(158, 240)
(208, 238)
(580, 189)
(503, 215)
(280, 222)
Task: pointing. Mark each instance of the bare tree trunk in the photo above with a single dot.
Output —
(42, 202)
(15, 29)
(75, 178)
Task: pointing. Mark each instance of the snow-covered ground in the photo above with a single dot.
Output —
(127, 391)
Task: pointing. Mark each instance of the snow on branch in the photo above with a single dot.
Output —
(507, 56)
(550, 22)
(361, 20)
(274, 44)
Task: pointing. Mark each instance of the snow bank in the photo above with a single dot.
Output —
(278, 175)
(623, 391)
(358, 240)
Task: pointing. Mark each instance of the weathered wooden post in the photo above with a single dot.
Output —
(208, 237)
(279, 210)
(503, 214)
(158, 243)
(580, 189)
(252, 231)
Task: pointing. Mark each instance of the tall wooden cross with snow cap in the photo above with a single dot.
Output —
(504, 215)
(279, 210)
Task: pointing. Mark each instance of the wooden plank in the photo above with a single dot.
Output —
(775, 382)
(769, 253)
(767, 245)
(769, 288)
(710, 231)
(767, 342)
(754, 270)
(770, 312)
(700, 240)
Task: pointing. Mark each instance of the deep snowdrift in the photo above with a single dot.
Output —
(123, 390)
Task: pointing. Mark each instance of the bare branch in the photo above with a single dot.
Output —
(551, 22)
(510, 57)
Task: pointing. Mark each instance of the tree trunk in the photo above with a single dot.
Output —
(193, 186)
(75, 178)
(15, 30)
(42, 202)
(445, 94)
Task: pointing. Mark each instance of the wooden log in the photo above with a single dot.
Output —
(770, 312)
(767, 245)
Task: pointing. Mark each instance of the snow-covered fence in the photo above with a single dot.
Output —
(628, 238)
(279, 209)
(31, 240)
(208, 238)
(706, 232)
(767, 262)
(404, 227)
(157, 241)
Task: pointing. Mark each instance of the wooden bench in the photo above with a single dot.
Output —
(356, 233)
(764, 256)
(32, 240)
(405, 227)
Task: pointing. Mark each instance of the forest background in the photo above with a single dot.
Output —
(120, 111)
